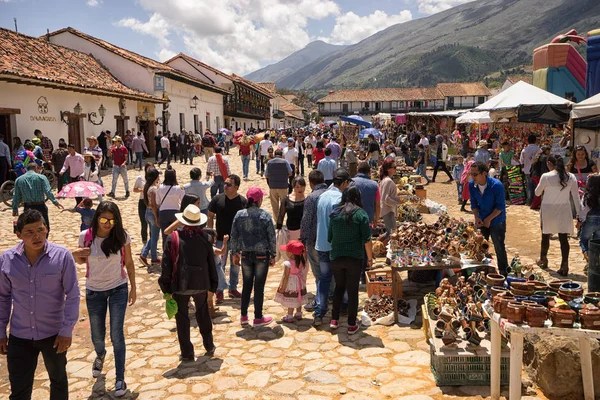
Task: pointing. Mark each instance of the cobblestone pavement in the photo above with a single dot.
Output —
(280, 361)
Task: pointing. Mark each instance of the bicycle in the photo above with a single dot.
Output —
(8, 187)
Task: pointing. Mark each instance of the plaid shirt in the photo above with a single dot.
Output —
(308, 225)
(213, 167)
(31, 188)
(47, 147)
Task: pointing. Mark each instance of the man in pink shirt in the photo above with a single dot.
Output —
(75, 163)
(119, 154)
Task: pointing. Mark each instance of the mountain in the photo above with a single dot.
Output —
(463, 43)
(292, 63)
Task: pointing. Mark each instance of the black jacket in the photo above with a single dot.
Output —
(196, 269)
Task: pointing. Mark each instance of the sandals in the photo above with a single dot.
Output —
(288, 319)
(298, 316)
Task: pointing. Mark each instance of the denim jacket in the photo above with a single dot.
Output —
(253, 230)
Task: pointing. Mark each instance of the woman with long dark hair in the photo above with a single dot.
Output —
(138, 187)
(151, 216)
(389, 195)
(350, 236)
(558, 187)
(106, 249)
(589, 219)
(293, 207)
(318, 152)
(581, 166)
(168, 198)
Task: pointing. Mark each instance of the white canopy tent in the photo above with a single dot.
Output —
(587, 108)
(528, 103)
(477, 117)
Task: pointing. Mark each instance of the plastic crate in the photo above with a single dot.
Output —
(466, 370)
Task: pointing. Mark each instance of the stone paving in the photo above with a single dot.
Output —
(280, 361)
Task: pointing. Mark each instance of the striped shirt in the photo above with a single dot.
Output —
(31, 188)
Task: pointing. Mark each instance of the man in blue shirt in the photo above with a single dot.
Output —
(327, 166)
(489, 208)
(327, 201)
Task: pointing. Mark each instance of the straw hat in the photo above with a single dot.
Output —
(482, 143)
(191, 216)
(88, 154)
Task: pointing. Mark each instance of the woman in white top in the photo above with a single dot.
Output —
(91, 170)
(138, 187)
(168, 200)
(106, 250)
(558, 187)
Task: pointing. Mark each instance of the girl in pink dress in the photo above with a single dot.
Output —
(292, 289)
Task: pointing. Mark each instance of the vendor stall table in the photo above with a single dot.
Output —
(501, 326)
(397, 285)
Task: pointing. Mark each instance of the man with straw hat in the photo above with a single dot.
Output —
(189, 270)
(482, 154)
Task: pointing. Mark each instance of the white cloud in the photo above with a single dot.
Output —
(156, 26)
(94, 3)
(351, 28)
(435, 6)
(165, 54)
(233, 35)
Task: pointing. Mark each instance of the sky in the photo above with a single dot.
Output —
(236, 36)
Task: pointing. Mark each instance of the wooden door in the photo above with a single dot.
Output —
(121, 126)
(75, 132)
(5, 129)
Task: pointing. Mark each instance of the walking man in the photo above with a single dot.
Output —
(336, 150)
(290, 153)
(278, 172)
(327, 166)
(223, 207)
(119, 155)
(489, 209)
(208, 143)
(165, 149)
(32, 189)
(526, 161)
(264, 147)
(38, 281)
(46, 144)
(218, 167)
(138, 146)
(440, 158)
(189, 271)
(75, 163)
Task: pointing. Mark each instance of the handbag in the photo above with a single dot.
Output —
(581, 183)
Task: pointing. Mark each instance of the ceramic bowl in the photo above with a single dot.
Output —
(592, 298)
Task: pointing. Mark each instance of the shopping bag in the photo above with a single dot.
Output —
(170, 305)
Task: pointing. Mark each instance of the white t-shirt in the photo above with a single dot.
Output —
(291, 155)
(265, 145)
(140, 182)
(104, 272)
(173, 199)
(311, 140)
(164, 142)
(424, 141)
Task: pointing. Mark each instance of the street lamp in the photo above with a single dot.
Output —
(194, 104)
(64, 115)
(93, 116)
(77, 109)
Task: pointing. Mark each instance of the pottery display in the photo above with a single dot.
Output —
(570, 290)
(536, 315)
(515, 312)
(592, 298)
(495, 279)
(555, 284)
(589, 316)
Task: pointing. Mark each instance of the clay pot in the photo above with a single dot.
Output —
(504, 305)
(562, 316)
(536, 315)
(495, 279)
(472, 337)
(496, 290)
(592, 298)
(523, 286)
(515, 313)
(570, 291)
(555, 284)
(517, 292)
(539, 285)
(589, 316)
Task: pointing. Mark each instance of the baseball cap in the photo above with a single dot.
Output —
(255, 193)
(341, 175)
(293, 246)
(290, 139)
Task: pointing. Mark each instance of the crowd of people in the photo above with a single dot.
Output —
(209, 231)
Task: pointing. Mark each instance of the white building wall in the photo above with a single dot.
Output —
(26, 98)
(131, 74)
(207, 75)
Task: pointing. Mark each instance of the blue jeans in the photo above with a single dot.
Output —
(234, 271)
(323, 284)
(459, 189)
(152, 245)
(98, 303)
(245, 165)
(589, 230)
(218, 186)
(529, 188)
(313, 259)
(139, 158)
(115, 175)
(255, 267)
(498, 234)
(421, 171)
(257, 159)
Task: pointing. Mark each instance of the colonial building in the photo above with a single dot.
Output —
(63, 92)
(246, 104)
(463, 95)
(367, 102)
(277, 116)
(192, 103)
(294, 115)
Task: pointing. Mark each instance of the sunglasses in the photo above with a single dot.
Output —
(228, 184)
(104, 221)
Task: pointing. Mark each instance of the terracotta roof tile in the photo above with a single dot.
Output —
(270, 86)
(517, 78)
(139, 59)
(383, 94)
(200, 63)
(253, 85)
(32, 58)
(463, 89)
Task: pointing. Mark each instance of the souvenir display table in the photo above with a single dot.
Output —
(515, 333)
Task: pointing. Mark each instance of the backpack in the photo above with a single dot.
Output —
(87, 242)
(206, 141)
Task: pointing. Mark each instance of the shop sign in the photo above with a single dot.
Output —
(42, 107)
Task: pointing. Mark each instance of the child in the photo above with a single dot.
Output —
(87, 213)
(457, 174)
(219, 253)
(420, 165)
(493, 169)
(309, 150)
(292, 289)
